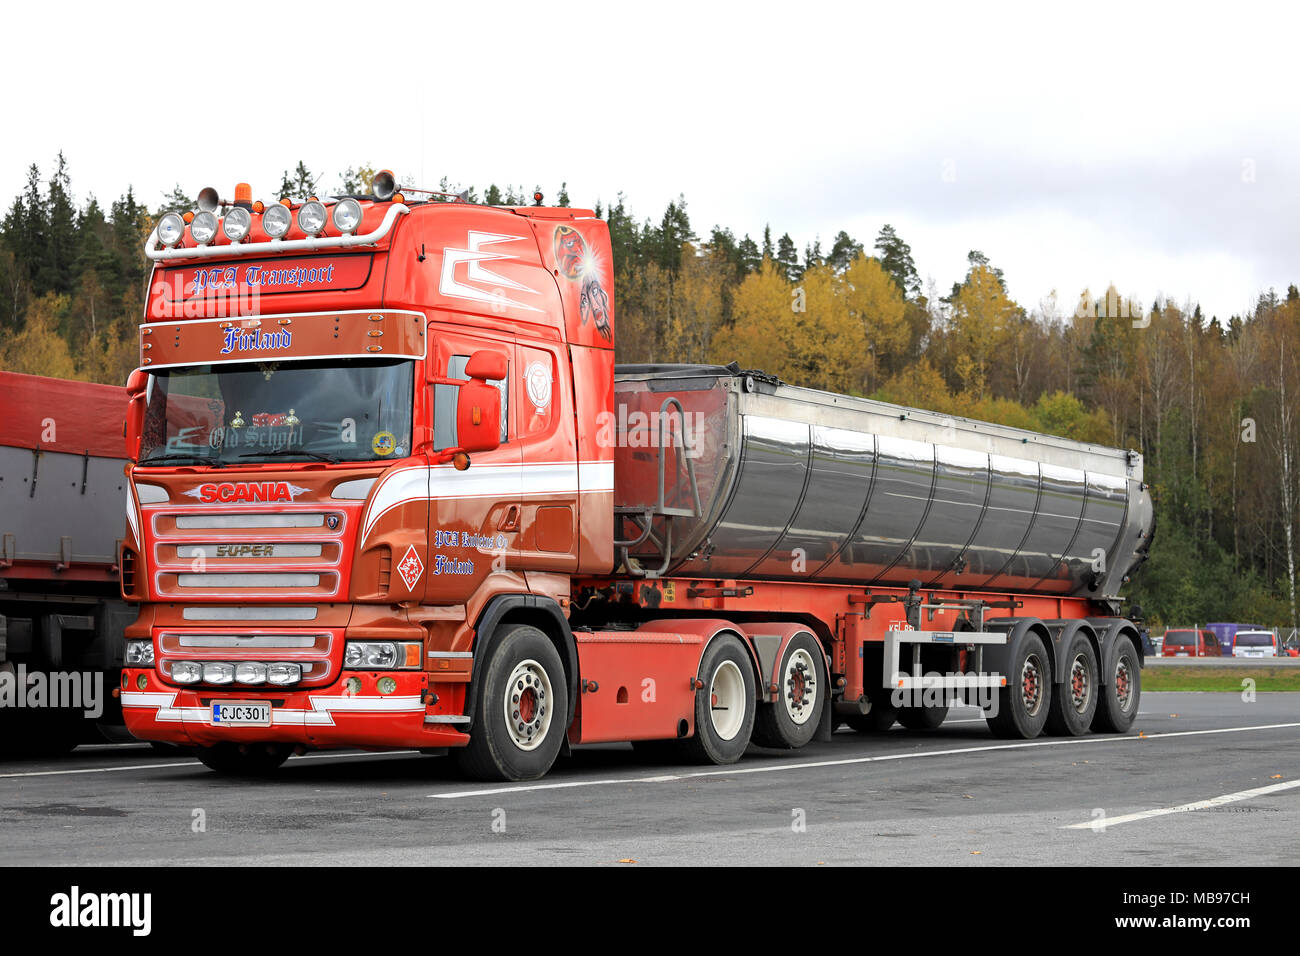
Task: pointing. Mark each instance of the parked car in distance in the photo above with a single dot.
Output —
(1256, 644)
(1190, 642)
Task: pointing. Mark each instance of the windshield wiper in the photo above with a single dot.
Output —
(186, 456)
(291, 451)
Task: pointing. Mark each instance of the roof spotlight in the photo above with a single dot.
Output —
(347, 215)
(204, 227)
(276, 220)
(208, 199)
(170, 229)
(237, 223)
(384, 185)
(311, 217)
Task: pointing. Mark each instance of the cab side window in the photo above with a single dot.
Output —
(445, 398)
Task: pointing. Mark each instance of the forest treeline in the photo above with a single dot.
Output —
(1209, 401)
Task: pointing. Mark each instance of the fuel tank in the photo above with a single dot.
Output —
(727, 474)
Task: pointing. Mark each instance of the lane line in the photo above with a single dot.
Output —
(193, 763)
(1106, 822)
(844, 762)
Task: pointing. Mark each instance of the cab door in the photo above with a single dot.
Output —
(474, 515)
(547, 441)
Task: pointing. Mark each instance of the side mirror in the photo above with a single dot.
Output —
(486, 365)
(478, 415)
(137, 388)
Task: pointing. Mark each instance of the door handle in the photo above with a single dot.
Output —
(510, 522)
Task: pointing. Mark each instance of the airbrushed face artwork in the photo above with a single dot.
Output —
(576, 264)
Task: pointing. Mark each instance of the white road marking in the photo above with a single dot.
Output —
(191, 763)
(847, 761)
(1103, 823)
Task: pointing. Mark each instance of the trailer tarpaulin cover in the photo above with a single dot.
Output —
(57, 415)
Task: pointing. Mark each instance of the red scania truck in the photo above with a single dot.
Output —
(390, 491)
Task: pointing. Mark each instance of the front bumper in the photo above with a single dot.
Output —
(327, 717)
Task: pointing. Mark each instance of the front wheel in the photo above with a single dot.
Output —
(244, 760)
(520, 711)
(724, 707)
(1118, 705)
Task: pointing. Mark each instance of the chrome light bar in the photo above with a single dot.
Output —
(260, 248)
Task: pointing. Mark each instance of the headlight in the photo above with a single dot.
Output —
(170, 229)
(250, 673)
(203, 228)
(284, 673)
(276, 220)
(378, 654)
(186, 672)
(237, 223)
(383, 655)
(139, 653)
(218, 673)
(311, 217)
(347, 215)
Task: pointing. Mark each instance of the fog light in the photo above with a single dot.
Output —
(386, 685)
(186, 672)
(142, 682)
(250, 673)
(218, 673)
(284, 673)
(353, 685)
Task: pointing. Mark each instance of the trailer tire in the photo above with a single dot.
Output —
(1075, 704)
(926, 717)
(1118, 705)
(724, 706)
(791, 722)
(519, 714)
(1023, 704)
(236, 760)
(877, 720)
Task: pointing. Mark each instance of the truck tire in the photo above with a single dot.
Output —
(791, 721)
(1075, 702)
(239, 760)
(926, 717)
(724, 707)
(518, 724)
(1023, 704)
(1117, 704)
(877, 720)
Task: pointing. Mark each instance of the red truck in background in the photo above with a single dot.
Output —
(390, 491)
(62, 481)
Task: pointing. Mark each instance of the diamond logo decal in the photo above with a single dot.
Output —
(410, 568)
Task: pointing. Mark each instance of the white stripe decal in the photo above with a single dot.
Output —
(318, 716)
(441, 482)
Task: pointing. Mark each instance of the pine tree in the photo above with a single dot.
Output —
(843, 251)
(787, 257)
(896, 257)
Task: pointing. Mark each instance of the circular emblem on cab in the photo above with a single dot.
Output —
(537, 380)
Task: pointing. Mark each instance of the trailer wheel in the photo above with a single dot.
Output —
(925, 717)
(244, 760)
(724, 707)
(1022, 706)
(1073, 708)
(1117, 705)
(519, 714)
(791, 721)
(878, 719)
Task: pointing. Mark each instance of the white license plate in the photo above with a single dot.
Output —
(1181, 654)
(240, 713)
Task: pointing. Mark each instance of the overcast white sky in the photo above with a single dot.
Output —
(1075, 145)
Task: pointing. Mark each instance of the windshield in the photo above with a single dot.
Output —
(1254, 639)
(1180, 637)
(337, 409)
